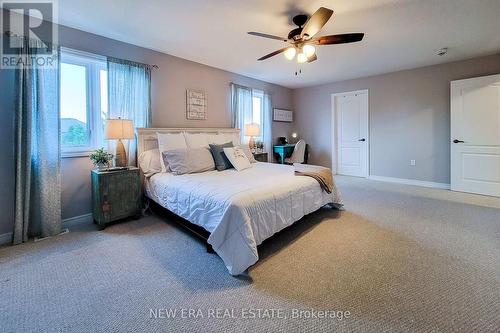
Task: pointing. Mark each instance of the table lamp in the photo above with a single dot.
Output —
(252, 130)
(118, 129)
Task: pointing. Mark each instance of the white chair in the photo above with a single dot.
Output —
(298, 154)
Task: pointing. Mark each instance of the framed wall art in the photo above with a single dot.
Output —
(283, 115)
(196, 104)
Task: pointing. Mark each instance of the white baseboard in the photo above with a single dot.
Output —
(72, 221)
(6, 238)
(410, 182)
(66, 223)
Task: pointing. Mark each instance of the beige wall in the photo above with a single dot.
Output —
(168, 102)
(168, 98)
(409, 118)
(409, 115)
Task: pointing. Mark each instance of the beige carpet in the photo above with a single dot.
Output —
(399, 259)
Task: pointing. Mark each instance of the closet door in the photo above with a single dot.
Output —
(475, 135)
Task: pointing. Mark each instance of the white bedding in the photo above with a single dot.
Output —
(240, 209)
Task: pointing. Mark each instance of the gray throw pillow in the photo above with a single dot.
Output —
(221, 161)
(191, 160)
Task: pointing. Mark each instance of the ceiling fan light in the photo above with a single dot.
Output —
(309, 50)
(290, 53)
(301, 58)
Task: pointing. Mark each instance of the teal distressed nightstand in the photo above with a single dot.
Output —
(115, 195)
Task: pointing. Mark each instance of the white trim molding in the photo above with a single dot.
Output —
(66, 223)
(75, 220)
(414, 182)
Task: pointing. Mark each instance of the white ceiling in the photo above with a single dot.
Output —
(399, 34)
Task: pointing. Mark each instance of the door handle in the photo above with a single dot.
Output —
(362, 139)
(458, 141)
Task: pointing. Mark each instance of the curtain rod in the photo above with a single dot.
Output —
(269, 92)
(12, 34)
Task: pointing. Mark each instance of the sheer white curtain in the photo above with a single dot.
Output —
(252, 106)
(129, 97)
(241, 108)
(267, 125)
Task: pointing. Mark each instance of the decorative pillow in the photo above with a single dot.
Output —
(167, 141)
(237, 157)
(196, 140)
(221, 161)
(182, 161)
(149, 162)
(248, 153)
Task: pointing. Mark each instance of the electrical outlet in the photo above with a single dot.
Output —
(413, 162)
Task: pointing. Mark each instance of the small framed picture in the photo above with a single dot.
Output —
(283, 115)
(196, 104)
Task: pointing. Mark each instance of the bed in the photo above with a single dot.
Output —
(238, 209)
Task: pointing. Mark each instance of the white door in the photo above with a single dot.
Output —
(351, 114)
(475, 135)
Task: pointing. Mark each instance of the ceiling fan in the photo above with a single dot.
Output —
(302, 39)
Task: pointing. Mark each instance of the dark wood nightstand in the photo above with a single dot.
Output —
(260, 157)
(115, 195)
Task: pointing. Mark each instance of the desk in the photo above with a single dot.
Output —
(284, 151)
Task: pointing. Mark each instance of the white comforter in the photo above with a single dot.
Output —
(240, 209)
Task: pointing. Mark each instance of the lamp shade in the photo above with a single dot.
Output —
(119, 129)
(252, 129)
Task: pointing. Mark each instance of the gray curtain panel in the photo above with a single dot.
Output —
(129, 97)
(38, 176)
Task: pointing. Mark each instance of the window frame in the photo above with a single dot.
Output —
(93, 64)
(260, 95)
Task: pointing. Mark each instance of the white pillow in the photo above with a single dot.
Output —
(235, 137)
(237, 157)
(222, 138)
(167, 141)
(197, 140)
(249, 154)
(149, 162)
(191, 160)
(217, 139)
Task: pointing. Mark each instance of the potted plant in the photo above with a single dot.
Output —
(101, 158)
(260, 146)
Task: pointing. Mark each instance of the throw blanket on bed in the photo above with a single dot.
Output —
(321, 174)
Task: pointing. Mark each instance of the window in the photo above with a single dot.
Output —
(257, 109)
(252, 106)
(83, 102)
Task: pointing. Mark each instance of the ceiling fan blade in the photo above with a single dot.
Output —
(259, 34)
(338, 39)
(272, 54)
(312, 58)
(316, 22)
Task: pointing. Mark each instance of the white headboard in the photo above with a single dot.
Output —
(147, 140)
